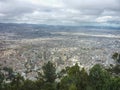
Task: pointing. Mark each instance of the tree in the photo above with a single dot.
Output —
(49, 86)
(71, 77)
(49, 71)
(116, 57)
(99, 77)
(10, 73)
(72, 87)
(46, 80)
(17, 82)
(29, 85)
(75, 77)
(65, 83)
(115, 83)
(40, 83)
(74, 71)
(83, 80)
(115, 70)
(1, 79)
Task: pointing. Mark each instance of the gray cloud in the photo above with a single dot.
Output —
(59, 11)
(94, 4)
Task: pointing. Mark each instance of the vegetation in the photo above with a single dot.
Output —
(115, 69)
(70, 78)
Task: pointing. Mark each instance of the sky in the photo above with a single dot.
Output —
(60, 12)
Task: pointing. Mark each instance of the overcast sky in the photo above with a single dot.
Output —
(59, 11)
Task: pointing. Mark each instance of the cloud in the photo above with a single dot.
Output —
(93, 4)
(103, 19)
(59, 11)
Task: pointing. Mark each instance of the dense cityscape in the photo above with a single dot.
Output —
(26, 50)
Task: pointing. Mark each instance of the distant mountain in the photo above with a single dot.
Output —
(109, 25)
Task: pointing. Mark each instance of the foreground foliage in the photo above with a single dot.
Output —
(70, 78)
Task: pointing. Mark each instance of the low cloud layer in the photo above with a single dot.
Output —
(61, 12)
